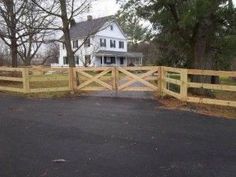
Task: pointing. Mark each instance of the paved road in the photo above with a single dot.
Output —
(111, 137)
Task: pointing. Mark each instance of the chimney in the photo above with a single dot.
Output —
(89, 17)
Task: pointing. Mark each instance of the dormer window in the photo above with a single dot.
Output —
(111, 27)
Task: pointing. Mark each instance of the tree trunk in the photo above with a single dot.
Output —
(66, 31)
(201, 61)
(27, 61)
(12, 28)
(14, 52)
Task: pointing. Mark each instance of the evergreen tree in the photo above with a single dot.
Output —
(191, 33)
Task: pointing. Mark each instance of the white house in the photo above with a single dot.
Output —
(99, 42)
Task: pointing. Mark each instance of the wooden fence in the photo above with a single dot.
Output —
(33, 80)
(116, 79)
(181, 79)
(165, 80)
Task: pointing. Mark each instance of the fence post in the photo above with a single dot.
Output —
(114, 79)
(161, 82)
(74, 79)
(25, 76)
(184, 85)
(71, 78)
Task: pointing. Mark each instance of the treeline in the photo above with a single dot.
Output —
(195, 33)
(25, 25)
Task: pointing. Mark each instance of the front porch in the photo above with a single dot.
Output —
(112, 58)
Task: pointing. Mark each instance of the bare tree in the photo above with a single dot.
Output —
(65, 11)
(35, 26)
(51, 54)
(19, 22)
(11, 12)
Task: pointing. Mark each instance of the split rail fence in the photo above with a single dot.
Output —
(164, 80)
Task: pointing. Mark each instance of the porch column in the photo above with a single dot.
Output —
(116, 60)
(102, 60)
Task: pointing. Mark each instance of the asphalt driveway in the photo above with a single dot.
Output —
(111, 137)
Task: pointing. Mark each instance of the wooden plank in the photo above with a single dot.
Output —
(16, 79)
(71, 78)
(92, 89)
(95, 79)
(11, 89)
(114, 79)
(48, 78)
(163, 81)
(137, 79)
(25, 75)
(174, 70)
(11, 69)
(172, 81)
(211, 73)
(211, 101)
(184, 84)
(151, 78)
(75, 76)
(139, 89)
(141, 68)
(93, 69)
(52, 89)
(48, 69)
(212, 86)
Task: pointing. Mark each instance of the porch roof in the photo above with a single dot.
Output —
(119, 54)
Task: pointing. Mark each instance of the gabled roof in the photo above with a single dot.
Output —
(89, 27)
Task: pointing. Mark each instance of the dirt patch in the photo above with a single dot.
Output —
(211, 110)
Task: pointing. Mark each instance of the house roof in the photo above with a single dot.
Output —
(89, 27)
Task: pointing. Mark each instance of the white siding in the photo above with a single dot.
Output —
(106, 33)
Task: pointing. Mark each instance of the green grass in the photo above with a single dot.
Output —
(227, 81)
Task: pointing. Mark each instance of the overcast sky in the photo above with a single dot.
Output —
(102, 8)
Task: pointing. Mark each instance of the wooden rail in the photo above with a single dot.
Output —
(156, 79)
(184, 83)
(23, 80)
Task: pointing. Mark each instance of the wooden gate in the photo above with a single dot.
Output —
(137, 79)
(117, 79)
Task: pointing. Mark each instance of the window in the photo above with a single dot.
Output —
(109, 60)
(65, 60)
(75, 44)
(121, 60)
(112, 43)
(111, 27)
(121, 44)
(63, 46)
(103, 42)
(77, 60)
(87, 43)
(87, 60)
(101, 60)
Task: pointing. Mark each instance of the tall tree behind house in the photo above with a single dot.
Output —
(193, 33)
